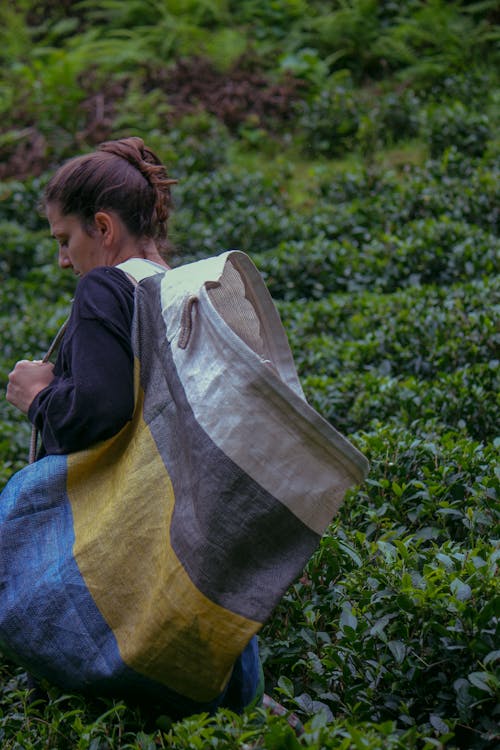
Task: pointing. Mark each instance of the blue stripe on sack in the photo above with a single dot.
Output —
(45, 613)
(49, 622)
(238, 560)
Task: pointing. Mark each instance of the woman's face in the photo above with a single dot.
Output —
(77, 249)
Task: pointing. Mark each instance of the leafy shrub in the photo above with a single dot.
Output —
(19, 249)
(426, 465)
(198, 143)
(53, 117)
(308, 65)
(270, 21)
(462, 400)
(474, 87)
(454, 125)
(346, 186)
(422, 341)
(228, 210)
(28, 327)
(454, 187)
(381, 624)
(362, 36)
(471, 200)
(398, 116)
(430, 251)
(385, 119)
(19, 202)
(353, 316)
(31, 312)
(14, 445)
(330, 121)
(427, 353)
(443, 39)
(143, 113)
(30, 257)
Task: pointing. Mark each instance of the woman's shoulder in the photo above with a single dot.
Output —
(107, 277)
(104, 291)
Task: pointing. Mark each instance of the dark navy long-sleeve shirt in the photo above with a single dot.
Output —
(92, 394)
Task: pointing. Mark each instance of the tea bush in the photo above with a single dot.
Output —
(430, 251)
(453, 125)
(229, 210)
(423, 331)
(398, 116)
(19, 202)
(197, 144)
(466, 399)
(441, 361)
(329, 122)
(389, 635)
(455, 186)
(394, 618)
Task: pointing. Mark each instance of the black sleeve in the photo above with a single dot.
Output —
(92, 394)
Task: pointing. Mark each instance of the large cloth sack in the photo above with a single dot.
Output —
(149, 561)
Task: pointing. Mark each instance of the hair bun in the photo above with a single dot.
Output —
(149, 165)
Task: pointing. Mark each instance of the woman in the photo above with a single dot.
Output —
(105, 209)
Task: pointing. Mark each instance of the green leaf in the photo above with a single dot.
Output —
(445, 560)
(379, 627)
(438, 724)
(347, 618)
(351, 553)
(461, 590)
(285, 686)
(398, 650)
(480, 681)
(492, 657)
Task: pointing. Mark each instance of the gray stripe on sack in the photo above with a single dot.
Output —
(214, 498)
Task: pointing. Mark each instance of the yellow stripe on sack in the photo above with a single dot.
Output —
(122, 501)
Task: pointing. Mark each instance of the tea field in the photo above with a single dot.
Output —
(352, 150)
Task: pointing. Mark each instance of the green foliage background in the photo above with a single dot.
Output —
(352, 149)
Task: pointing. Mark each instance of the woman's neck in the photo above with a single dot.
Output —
(151, 253)
(145, 249)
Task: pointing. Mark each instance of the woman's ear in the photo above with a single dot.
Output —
(106, 227)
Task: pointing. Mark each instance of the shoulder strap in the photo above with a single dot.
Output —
(140, 268)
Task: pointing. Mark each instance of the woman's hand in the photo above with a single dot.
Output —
(26, 380)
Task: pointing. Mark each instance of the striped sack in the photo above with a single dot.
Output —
(148, 562)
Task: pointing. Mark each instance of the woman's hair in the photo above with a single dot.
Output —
(123, 176)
